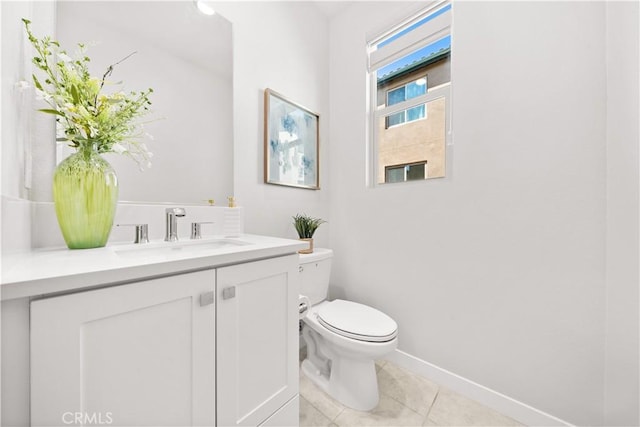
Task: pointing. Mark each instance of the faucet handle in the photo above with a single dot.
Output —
(142, 232)
(195, 229)
(176, 211)
(172, 215)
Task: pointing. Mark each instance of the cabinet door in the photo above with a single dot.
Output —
(140, 354)
(257, 333)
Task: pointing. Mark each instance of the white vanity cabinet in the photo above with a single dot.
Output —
(129, 355)
(257, 325)
(211, 347)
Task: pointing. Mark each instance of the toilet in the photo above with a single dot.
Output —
(343, 338)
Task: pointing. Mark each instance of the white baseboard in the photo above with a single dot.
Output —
(512, 408)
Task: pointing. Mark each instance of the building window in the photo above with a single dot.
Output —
(405, 92)
(408, 172)
(410, 119)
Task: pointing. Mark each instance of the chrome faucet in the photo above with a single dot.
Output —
(195, 229)
(172, 223)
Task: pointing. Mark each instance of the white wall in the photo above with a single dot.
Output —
(496, 273)
(623, 178)
(282, 46)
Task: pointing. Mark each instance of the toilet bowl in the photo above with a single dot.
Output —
(343, 338)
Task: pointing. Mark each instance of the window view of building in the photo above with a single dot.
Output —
(401, 173)
(399, 94)
(411, 82)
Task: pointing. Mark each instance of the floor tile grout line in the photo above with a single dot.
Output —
(430, 406)
(319, 410)
(336, 417)
(402, 403)
(433, 402)
(435, 398)
(440, 393)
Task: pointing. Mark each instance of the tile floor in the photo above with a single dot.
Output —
(406, 399)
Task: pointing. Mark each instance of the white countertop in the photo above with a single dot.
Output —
(45, 271)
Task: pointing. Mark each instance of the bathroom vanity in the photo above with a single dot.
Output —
(195, 333)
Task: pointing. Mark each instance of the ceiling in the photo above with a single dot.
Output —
(173, 26)
(332, 8)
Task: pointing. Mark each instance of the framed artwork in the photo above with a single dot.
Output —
(291, 142)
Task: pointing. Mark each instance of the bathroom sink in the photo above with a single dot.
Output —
(177, 248)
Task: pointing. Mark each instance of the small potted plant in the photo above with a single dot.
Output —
(306, 226)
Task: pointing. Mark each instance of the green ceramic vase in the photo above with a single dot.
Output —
(85, 193)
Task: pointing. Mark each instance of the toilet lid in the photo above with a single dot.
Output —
(357, 321)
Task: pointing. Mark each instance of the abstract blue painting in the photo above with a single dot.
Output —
(291, 138)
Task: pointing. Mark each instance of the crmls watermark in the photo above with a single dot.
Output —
(88, 418)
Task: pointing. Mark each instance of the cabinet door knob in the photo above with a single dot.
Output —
(207, 298)
(228, 293)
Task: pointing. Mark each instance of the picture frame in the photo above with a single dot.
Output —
(291, 143)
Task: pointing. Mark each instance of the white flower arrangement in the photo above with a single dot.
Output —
(88, 119)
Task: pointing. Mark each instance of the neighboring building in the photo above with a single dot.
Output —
(411, 143)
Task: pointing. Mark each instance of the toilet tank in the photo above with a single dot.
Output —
(315, 269)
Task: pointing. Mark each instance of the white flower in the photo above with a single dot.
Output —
(42, 95)
(22, 85)
(64, 57)
(119, 148)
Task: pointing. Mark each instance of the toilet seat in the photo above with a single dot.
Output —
(357, 321)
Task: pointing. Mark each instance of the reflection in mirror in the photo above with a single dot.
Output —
(186, 57)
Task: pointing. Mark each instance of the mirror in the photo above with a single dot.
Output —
(186, 58)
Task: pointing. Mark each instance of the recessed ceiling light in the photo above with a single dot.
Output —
(204, 8)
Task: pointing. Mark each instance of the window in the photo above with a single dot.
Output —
(400, 94)
(410, 172)
(410, 91)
